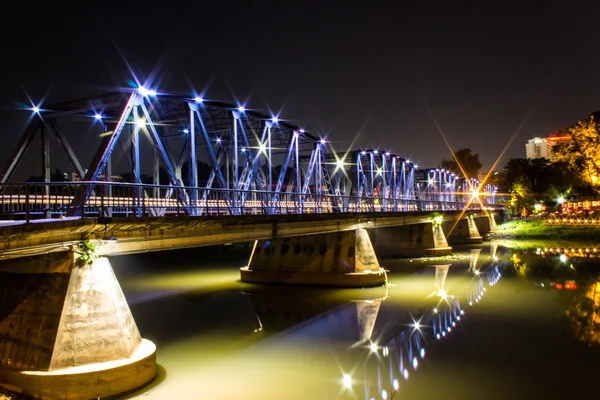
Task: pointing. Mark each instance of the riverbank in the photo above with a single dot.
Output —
(540, 230)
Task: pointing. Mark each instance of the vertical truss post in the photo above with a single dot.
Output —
(236, 179)
(269, 156)
(46, 171)
(135, 159)
(155, 173)
(193, 164)
(372, 181)
(108, 191)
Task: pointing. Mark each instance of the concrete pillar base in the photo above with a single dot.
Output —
(343, 259)
(353, 279)
(437, 252)
(84, 382)
(66, 330)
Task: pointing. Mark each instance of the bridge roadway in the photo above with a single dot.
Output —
(118, 236)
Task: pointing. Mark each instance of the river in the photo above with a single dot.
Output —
(489, 322)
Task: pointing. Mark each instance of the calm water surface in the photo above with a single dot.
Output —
(488, 323)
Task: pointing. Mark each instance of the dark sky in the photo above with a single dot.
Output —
(346, 69)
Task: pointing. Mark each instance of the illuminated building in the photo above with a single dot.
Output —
(542, 147)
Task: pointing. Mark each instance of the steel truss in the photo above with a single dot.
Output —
(254, 159)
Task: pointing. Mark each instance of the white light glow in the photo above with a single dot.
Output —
(241, 109)
(35, 109)
(198, 99)
(384, 395)
(186, 131)
(98, 116)
(323, 141)
(396, 384)
(347, 380)
(143, 91)
(373, 347)
(275, 119)
(423, 353)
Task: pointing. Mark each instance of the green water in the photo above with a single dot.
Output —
(489, 322)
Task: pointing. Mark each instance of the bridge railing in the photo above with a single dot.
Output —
(61, 199)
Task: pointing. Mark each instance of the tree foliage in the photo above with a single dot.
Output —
(469, 162)
(527, 181)
(582, 152)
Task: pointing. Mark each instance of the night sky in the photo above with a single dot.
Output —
(364, 70)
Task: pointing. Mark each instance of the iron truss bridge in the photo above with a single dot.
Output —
(213, 158)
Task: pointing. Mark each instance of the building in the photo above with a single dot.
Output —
(542, 147)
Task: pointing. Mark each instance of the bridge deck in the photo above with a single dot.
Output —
(117, 236)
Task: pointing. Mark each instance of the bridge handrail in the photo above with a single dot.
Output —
(56, 200)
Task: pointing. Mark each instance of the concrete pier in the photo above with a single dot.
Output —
(462, 231)
(486, 223)
(344, 259)
(66, 331)
(416, 240)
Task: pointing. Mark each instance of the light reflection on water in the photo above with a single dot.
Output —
(442, 328)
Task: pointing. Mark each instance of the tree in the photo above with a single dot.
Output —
(582, 152)
(520, 196)
(466, 159)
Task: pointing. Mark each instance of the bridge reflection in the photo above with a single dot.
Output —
(380, 369)
(385, 345)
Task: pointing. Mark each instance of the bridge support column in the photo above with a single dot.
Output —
(66, 331)
(486, 223)
(463, 231)
(416, 240)
(345, 259)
